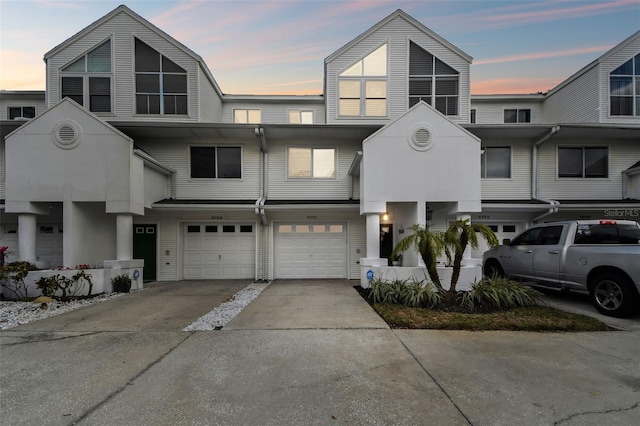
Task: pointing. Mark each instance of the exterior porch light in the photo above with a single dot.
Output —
(385, 216)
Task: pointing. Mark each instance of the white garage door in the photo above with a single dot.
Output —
(219, 251)
(305, 250)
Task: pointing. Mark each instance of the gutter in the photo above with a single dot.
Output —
(261, 274)
(354, 170)
(553, 204)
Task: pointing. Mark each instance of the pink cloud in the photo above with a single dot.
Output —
(513, 86)
(543, 55)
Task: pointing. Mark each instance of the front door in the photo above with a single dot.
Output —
(386, 242)
(144, 247)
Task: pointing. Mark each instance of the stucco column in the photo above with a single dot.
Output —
(373, 236)
(124, 237)
(27, 236)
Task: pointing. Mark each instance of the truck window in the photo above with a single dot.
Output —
(607, 234)
(551, 235)
(529, 237)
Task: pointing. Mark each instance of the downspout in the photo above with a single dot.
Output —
(262, 197)
(553, 204)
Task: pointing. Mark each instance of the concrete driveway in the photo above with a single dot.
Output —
(306, 352)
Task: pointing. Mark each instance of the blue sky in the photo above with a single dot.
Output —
(278, 46)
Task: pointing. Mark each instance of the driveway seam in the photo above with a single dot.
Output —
(128, 382)
(432, 378)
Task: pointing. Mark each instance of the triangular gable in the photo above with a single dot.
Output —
(122, 9)
(408, 19)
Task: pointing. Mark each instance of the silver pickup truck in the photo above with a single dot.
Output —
(598, 256)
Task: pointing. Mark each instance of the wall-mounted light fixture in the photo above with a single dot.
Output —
(385, 216)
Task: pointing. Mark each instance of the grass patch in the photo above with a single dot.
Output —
(532, 318)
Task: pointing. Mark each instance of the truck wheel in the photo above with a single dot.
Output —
(613, 295)
(493, 269)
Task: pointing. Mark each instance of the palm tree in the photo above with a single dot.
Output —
(460, 234)
(430, 245)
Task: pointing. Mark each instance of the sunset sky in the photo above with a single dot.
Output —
(278, 46)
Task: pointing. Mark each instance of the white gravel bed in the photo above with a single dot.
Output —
(17, 313)
(224, 313)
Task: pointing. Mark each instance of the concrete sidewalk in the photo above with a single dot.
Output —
(289, 359)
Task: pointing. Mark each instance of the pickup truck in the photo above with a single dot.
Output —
(601, 257)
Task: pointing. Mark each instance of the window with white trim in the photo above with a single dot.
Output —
(583, 162)
(87, 80)
(362, 88)
(297, 116)
(215, 162)
(473, 116)
(432, 81)
(161, 84)
(517, 116)
(305, 162)
(247, 116)
(18, 112)
(496, 162)
(624, 88)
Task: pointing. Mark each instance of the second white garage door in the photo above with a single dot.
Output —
(310, 250)
(219, 251)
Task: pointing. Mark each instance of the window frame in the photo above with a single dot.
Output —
(634, 96)
(300, 113)
(583, 148)
(22, 115)
(484, 158)
(247, 113)
(216, 166)
(363, 79)
(312, 148)
(518, 111)
(87, 76)
(473, 115)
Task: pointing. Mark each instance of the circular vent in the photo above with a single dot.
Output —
(66, 135)
(421, 138)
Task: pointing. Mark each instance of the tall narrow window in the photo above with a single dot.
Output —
(161, 84)
(87, 80)
(624, 88)
(432, 81)
(362, 88)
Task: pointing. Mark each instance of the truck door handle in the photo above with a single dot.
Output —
(553, 252)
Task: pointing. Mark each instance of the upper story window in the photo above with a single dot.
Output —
(247, 116)
(496, 162)
(216, 162)
(18, 112)
(583, 162)
(362, 88)
(517, 116)
(303, 162)
(161, 84)
(297, 116)
(432, 81)
(87, 80)
(473, 116)
(624, 88)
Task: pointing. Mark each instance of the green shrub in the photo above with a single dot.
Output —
(12, 277)
(121, 283)
(499, 293)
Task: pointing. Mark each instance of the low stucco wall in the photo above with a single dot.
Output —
(468, 275)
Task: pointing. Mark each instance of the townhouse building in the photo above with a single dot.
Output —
(135, 152)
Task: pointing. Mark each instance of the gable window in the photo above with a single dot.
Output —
(496, 162)
(297, 116)
(624, 88)
(432, 81)
(247, 116)
(21, 112)
(161, 84)
(517, 116)
(362, 88)
(216, 162)
(583, 162)
(305, 162)
(87, 80)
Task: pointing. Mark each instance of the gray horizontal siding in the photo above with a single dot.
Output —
(274, 113)
(210, 102)
(577, 102)
(610, 63)
(397, 33)
(3, 185)
(518, 187)
(175, 154)
(493, 112)
(17, 101)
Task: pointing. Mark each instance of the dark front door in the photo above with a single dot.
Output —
(144, 247)
(386, 242)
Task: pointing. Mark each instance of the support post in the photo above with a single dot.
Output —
(27, 237)
(124, 237)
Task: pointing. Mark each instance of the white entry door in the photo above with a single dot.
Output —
(219, 251)
(310, 250)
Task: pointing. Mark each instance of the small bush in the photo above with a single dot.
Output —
(121, 283)
(499, 293)
(12, 277)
